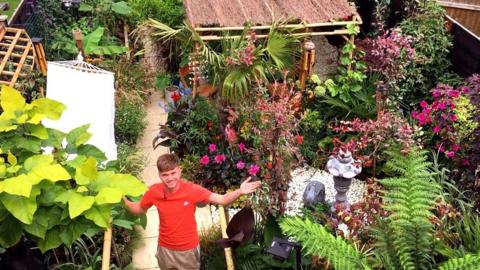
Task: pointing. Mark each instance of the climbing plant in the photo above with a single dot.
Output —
(52, 196)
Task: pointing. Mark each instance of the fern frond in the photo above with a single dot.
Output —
(469, 262)
(316, 240)
(410, 196)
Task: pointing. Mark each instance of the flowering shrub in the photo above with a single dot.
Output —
(388, 54)
(376, 135)
(441, 117)
(222, 169)
(269, 125)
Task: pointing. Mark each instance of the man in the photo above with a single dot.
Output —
(176, 199)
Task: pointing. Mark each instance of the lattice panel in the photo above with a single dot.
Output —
(16, 53)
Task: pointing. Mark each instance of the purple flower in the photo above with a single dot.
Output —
(253, 170)
(212, 147)
(241, 147)
(219, 158)
(204, 160)
(240, 165)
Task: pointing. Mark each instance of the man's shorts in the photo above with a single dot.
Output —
(178, 260)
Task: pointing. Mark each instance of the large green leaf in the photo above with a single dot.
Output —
(86, 172)
(77, 204)
(50, 108)
(11, 100)
(79, 135)
(52, 240)
(18, 185)
(121, 8)
(20, 207)
(10, 232)
(99, 214)
(37, 161)
(38, 131)
(73, 231)
(40, 223)
(108, 195)
(91, 151)
(52, 173)
(127, 184)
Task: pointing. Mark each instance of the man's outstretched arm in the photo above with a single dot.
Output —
(134, 207)
(246, 187)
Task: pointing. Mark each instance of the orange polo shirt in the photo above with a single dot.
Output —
(178, 227)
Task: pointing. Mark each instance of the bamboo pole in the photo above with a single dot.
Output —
(223, 225)
(125, 36)
(328, 33)
(260, 27)
(107, 243)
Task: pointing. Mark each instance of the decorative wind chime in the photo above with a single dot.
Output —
(195, 62)
(308, 61)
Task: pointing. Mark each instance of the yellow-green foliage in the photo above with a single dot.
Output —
(57, 197)
(465, 111)
(469, 262)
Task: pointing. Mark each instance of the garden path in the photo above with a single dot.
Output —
(144, 256)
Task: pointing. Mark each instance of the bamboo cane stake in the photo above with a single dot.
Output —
(223, 225)
(107, 243)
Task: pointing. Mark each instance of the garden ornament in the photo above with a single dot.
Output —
(240, 229)
(314, 193)
(343, 168)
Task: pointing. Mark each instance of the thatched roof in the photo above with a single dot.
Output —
(259, 12)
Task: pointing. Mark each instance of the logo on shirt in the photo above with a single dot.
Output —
(185, 203)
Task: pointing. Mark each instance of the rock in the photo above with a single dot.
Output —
(314, 193)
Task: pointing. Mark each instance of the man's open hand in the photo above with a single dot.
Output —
(248, 187)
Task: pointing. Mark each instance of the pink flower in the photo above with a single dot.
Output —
(455, 147)
(414, 114)
(436, 93)
(212, 147)
(253, 170)
(453, 117)
(436, 129)
(451, 154)
(240, 165)
(421, 119)
(452, 106)
(441, 106)
(423, 104)
(219, 158)
(204, 160)
(241, 147)
(454, 93)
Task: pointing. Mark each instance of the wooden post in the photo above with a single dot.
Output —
(125, 37)
(223, 226)
(307, 64)
(40, 58)
(107, 243)
(78, 37)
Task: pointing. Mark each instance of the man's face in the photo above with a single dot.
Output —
(171, 178)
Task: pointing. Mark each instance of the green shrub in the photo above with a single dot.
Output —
(169, 12)
(432, 46)
(130, 159)
(129, 122)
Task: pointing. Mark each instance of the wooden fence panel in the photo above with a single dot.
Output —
(466, 12)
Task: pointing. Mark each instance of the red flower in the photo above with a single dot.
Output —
(175, 96)
(299, 139)
(269, 165)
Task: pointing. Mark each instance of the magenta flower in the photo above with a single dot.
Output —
(441, 106)
(453, 117)
(423, 104)
(421, 119)
(240, 165)
(452, 106)
(253, 170)
(455, 147)
(204, 160)
(451, 154)
(454, 93)
(436, 129)
(241, 147)
(436, 93)
(212, 147)
(219, 158)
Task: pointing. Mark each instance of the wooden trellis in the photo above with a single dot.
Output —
(17, 54)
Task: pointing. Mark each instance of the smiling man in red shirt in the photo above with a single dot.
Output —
(175, 200)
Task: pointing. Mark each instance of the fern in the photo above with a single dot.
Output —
(469, 262)
(409, 197)
(316, 240)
